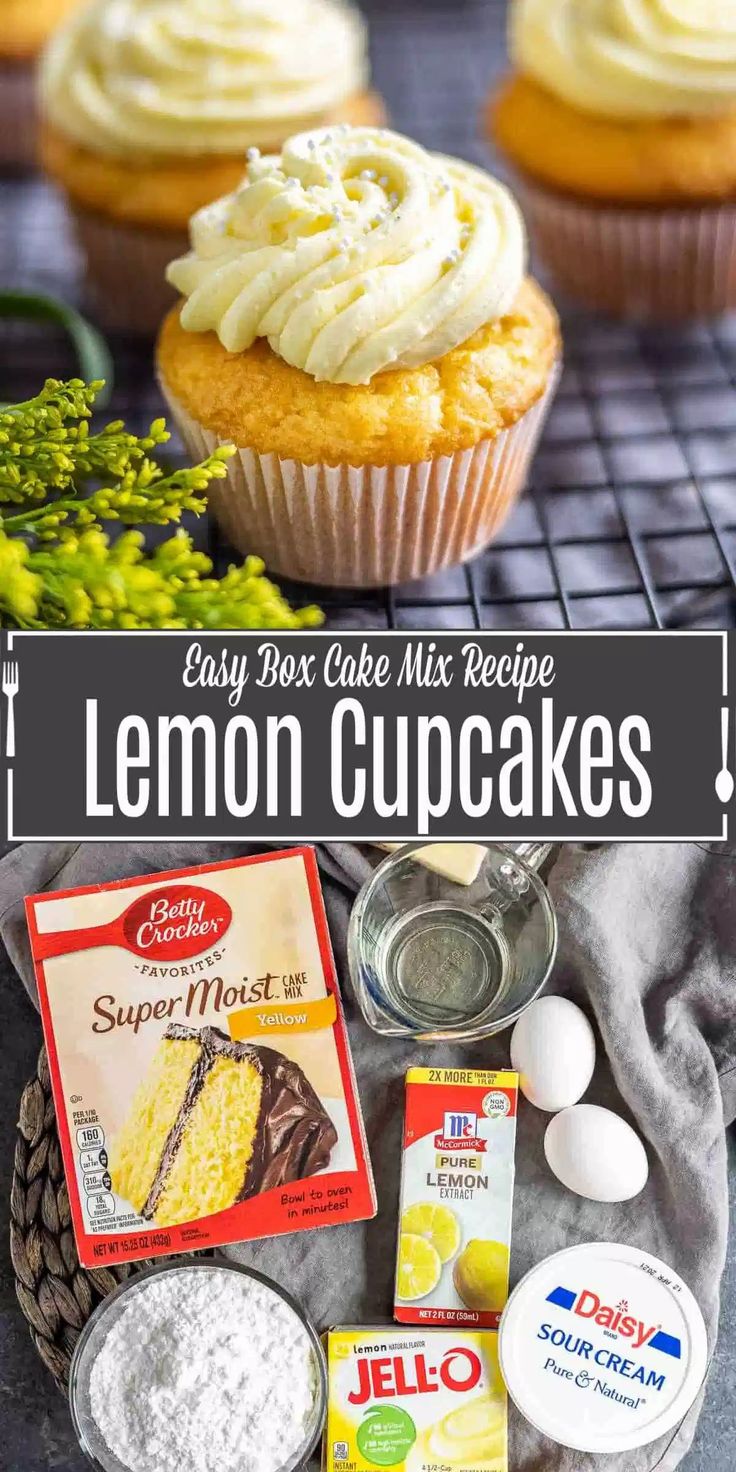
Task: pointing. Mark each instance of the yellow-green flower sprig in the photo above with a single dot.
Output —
(46, 455)
(85, 582)
(142, 494)
(59, 568)
(45, 443)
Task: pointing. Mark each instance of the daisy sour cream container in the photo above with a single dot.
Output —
(603, 1348)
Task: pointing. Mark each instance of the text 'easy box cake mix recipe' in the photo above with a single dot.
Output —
(199, 1059)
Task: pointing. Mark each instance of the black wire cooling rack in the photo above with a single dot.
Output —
(630, 516)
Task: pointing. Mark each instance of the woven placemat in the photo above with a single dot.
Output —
(56, 1295)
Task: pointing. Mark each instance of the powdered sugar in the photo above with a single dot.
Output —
(204, 1370)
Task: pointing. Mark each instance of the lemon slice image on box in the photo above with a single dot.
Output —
(438, 1224)
(481, 1274)
(419, 1267)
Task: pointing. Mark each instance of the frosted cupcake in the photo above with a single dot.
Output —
(150, 107)
(25, 26)
(621, 117)
(358, 322)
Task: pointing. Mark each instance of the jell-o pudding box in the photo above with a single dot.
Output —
(427, 1401)
(457, 1186)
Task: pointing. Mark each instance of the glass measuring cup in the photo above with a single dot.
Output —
(433, 959)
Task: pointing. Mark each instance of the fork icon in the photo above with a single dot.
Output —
(10, 690)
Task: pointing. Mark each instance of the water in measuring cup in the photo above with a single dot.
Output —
(442, 965)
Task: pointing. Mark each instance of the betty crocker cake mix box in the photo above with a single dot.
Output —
(200, 1065)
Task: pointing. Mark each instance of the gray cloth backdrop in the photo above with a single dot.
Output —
(648, 946)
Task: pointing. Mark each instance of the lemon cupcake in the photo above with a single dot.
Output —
(150, 107)
(621, 117)
(25, 26)
(358, 322)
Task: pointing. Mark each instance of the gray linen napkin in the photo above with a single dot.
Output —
(648, 946)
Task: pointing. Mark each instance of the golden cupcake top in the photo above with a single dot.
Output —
(474, 393)
(632, 59)
(353, 251)
(26, 24)
(148, 78)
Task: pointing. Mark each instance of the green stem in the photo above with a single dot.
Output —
(93, 354)
(24, 521)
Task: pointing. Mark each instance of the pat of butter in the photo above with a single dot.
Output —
(459, 862)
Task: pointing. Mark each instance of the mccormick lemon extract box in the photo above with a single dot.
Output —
(457, 1185)
(414, 1401)
(199, 1059)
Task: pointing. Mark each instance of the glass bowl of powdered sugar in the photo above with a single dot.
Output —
(200, 1366)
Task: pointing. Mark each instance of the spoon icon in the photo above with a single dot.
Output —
(138, 930)
(724, 780)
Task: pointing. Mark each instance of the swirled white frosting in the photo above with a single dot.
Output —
(183, 77)
(353, 251)
(633, 59)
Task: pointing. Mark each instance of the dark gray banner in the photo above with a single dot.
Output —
(308, 736)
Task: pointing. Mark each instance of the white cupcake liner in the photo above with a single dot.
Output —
(126, 267)
(363, 526)
(18, 119)
(666, 264)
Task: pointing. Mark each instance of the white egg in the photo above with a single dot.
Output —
(553, 1051)
(595, 1153)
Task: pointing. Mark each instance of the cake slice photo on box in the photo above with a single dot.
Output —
(199, 1059)
(213, 1123)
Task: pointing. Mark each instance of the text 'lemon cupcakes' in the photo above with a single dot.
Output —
(151, 105)
(621, 117)
(25, 26)
(358, 322)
